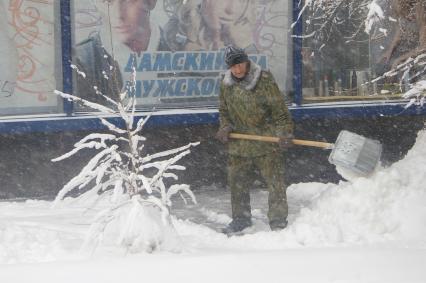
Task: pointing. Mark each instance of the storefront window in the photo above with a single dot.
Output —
(349, 48)
(27, 57)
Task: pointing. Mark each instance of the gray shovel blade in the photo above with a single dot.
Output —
(356, 153)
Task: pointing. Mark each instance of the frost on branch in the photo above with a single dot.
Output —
(326, 18)
(416, 94)
(135, 186)
(411, 75)
(375, 15)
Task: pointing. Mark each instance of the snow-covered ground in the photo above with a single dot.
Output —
(368, 230)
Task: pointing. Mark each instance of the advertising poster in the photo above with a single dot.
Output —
(27, 57)
(175, 47)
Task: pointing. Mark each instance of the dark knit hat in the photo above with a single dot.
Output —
(235, 55)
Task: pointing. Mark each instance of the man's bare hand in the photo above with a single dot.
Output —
(286, 141)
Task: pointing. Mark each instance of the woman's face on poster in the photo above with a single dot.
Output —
(130, 18)
(229, 21)
(223, 12)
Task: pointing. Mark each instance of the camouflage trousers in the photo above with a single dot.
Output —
(241, 173)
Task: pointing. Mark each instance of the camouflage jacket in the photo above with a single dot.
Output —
(253, 106)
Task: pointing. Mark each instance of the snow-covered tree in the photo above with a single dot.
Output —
(135, 184)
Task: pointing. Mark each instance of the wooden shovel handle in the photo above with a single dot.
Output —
(325, 145)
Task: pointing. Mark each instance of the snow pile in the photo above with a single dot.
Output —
(27, 244)
(32, 232)
(390, 205)
(138, 229)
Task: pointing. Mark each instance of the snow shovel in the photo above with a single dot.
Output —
(350, 151)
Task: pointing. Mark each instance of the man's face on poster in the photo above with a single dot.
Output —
(130, 18)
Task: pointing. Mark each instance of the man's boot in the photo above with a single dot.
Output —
(277, 225)
(236, 225)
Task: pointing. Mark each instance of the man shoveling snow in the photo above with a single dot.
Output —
(250, 102)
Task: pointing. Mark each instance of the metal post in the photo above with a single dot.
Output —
(297, 53)
(66, 42)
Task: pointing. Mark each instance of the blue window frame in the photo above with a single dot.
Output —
(70, 120)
